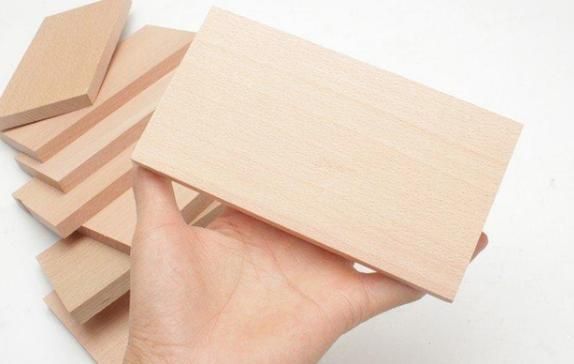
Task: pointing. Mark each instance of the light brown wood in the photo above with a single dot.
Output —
(86, 274)
(208, 215)
(105, 337)
(64, 213)
(65, 65)
(139, 61)
(89, 275)
(115, 224)
(361, 161)
(67, 168)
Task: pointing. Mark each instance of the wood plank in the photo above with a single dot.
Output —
(105, 337)
(67, 168)
(64, 213)
(138, 62)
(59, 73)
(89, 275)
(86, 274)
(209, 214)
(115, 224)
(363, 162)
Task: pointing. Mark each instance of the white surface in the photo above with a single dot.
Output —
(512, 57)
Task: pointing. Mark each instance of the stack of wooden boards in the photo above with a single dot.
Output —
(358, 160)
(75, 112)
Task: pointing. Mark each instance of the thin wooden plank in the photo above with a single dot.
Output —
(105, 337)
(210, 213)
(138, 62)
(361, 161)
(89, 275)
(86, 274)
(65, 65)
(81, 158)
(115, 224)
(64, 213)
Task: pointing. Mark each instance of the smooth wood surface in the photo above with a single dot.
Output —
(89, 275)
(86, 274)
(64, 213)
(81, 158)
(65, 65)
(105, 337)
(361, 161)
(115, 224)
(139, 61)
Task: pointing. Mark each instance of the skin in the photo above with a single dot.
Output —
(240, 290)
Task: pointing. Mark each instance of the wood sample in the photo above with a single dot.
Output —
(67, 168)
(115, 224)
(89, 275)
(64, 213)
(86, 274)
(138, 62)
(363, 162)
(105, 337)
(65, 65)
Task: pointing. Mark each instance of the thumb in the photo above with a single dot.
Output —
(155, 201)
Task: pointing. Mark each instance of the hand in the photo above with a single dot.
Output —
(240, 291)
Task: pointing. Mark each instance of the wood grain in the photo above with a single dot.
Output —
(138, 62)
(89, 275)
(358, 160)
(105, 337)
(86, 274)
(65, 64)
(85, 155)
(64, 213)
(115, 224)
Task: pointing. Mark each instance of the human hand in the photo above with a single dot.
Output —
(240, 291)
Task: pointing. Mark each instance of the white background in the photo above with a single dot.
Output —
(516, 58)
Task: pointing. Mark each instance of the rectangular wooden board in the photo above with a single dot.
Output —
(139, 61)
(115, 224)
(65, 65)
(360, 161)
(105, 337)
(85, 155)
(89, 275)
(64, 213)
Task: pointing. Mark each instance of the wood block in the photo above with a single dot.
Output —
(138, 62)
(363, 162)
(115, 224)
(89, 275)
(64, 213)
(105, 337)
(86, 274)
(73, 164)
(65, 65)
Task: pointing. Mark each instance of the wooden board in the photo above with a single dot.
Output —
(105, 337)
(86, 274)
(115, 224)
(139, 61)
(89, 275)
(65, 65)
(209, 214)
(64, 213)
(73, 164)
(361, 161)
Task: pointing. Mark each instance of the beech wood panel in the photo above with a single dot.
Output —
(67, 168)
(115, 224)
(86, 274)
(65, 64)
(89, 275)
(64, 213)
(105, 337)
(361, 161)
(138, 62)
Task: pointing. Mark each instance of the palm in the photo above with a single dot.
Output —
(202, 293)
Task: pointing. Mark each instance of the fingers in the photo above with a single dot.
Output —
(383, 293)
(155, 201)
